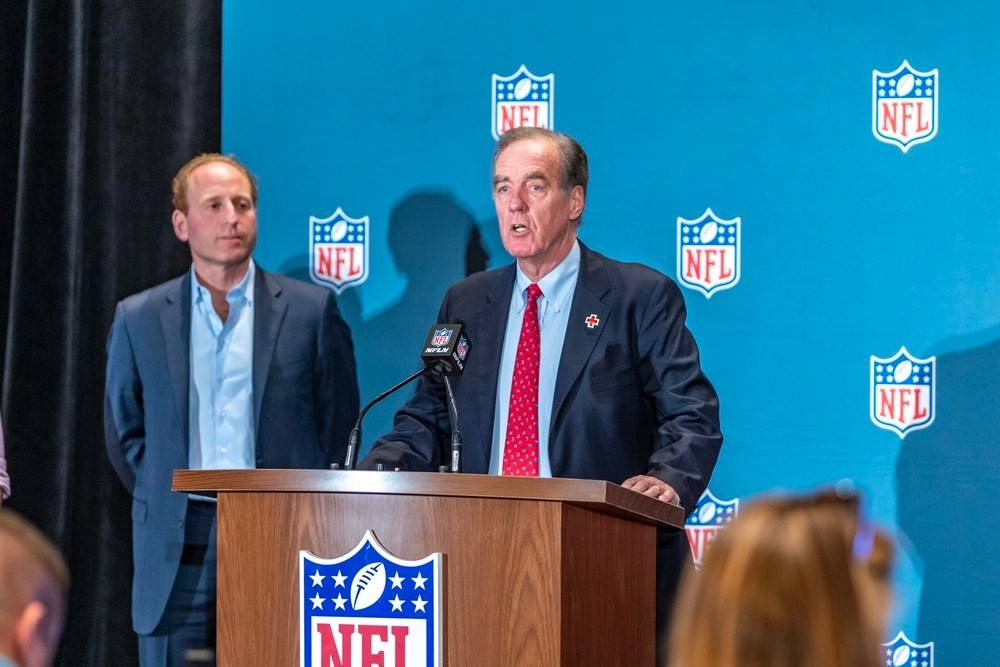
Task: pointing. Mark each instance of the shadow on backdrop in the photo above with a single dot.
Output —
(948, 488)
(434, 243)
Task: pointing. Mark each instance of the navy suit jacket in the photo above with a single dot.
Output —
(305, 400)
(630, 397)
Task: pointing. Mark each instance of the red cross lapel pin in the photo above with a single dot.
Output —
(592, 320)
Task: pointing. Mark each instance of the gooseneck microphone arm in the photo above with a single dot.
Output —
(456, 432)
(351, 459)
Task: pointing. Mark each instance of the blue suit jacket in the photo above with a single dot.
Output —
(630, 397)
(305, 396)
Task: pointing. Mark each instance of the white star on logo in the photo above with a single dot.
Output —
(419, 604)
(397, 581)
(317, 601)
(339, 602)
(338, 579)
(418, 581)
(317, 579)
(397, 604)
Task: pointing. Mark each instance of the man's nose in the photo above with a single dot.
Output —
(229, 210)
(516, 202)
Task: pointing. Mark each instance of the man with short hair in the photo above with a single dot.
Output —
(579, 365)
(226, 366)
(33, 585)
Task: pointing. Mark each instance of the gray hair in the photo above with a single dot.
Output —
(573, 159)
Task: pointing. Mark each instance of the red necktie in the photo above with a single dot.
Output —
(520, 453)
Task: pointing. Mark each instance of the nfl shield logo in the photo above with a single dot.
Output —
(709, 517)
(338, 250)
(901, 652)
(905, 106)
(902, 392)
(708, 253)
(441, 337)
(369, 607)
(522, 99)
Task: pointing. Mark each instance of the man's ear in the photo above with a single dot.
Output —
(29, 646)
(577, 202)
(179, 220)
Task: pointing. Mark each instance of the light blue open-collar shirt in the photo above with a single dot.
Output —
(220, 400)
(553, 316)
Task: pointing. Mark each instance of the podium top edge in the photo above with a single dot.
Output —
(595, 494)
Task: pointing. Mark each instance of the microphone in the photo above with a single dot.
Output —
(446, 348)
(445, 352)
(351, 459)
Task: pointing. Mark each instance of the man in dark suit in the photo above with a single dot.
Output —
(579, 365)
(226, 366)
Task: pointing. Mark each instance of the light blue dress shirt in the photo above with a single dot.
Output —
(220, 401)
(553, 316)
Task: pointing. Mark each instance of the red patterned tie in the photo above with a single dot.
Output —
(520, 453)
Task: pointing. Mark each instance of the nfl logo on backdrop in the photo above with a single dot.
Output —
(709, 517)
(902, 392)
(905, 106)
(338, 250)
(708, 253)
(522, 99)
(901, 652)
(369, 607)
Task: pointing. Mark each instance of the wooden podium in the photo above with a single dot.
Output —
(537, 571)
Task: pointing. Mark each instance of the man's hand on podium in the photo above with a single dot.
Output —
(652, 487)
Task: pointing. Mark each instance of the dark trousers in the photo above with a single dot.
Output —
(185, 636)
(673, 559)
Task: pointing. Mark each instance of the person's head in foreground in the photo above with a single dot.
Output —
(793, 581)
(33, 584)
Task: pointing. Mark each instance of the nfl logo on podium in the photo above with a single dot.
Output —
(522, 99)
(902, 392)
(338, 250)
(905, 106)
(901, 652)
(708, 253)
(709, 517)
(370, 608)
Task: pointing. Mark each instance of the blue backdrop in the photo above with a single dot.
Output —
(849, 247)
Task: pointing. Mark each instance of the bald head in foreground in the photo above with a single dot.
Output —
(33, 584)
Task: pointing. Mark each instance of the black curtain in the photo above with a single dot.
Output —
(101, 102)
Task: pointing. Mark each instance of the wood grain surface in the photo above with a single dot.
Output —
(605, 496)
(528, 581)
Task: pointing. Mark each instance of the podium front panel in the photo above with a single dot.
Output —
(526, 582)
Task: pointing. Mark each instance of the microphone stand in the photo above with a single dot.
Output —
(456, 432)
(351, 459)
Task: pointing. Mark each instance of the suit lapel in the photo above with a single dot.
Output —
(175, 320)
(592, 284)
(269, 313)
(491, 323)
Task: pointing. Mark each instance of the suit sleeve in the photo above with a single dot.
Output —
(124, 423)
(688, 437)
(419, 429)
(336, 379)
